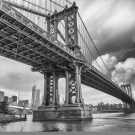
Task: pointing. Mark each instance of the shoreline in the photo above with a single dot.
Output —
(6, 118)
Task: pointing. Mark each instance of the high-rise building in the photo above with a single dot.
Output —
(6, 98)
(23, 102)
(18, 97)
(14, 98)
(35, 102)
(33, 97)
(1, 96)
(41, 99)
(10, 100)
(38, 98)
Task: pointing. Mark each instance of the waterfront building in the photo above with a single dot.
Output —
(1, 96)
(103, 107)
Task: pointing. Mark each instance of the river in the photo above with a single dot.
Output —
(100, 122)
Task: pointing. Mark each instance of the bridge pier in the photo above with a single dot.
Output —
(51, 109)
(130, 109)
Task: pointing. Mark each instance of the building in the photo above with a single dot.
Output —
(1, 96)
(14, 98)
(35, 102)
(38, 97)
(6, 98)
(108, 107)
(10, 100)
(94, 109)
(41, 99)
(23, 102)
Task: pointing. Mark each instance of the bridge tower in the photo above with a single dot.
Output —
(50, 105)
(128, 105)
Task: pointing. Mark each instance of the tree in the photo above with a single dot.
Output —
(4, 107)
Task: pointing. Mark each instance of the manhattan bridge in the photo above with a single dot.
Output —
(51, 37)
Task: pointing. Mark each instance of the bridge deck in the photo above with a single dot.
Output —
(24, 41)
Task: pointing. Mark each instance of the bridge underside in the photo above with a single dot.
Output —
(92, 79)
(23, 41)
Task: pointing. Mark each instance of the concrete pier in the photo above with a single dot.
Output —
(64, 112)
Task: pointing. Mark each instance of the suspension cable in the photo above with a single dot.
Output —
(82, 38)
(93, 43)
(95, 47)
(79, 32)
(38, 6)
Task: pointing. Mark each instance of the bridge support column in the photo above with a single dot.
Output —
(55, 25)
(55, 90)
(78, 85)
(66, 30)
(45, 100)
(67, 87)
(131, 105)
(130, 108)
(75, 26)
(48, 24)
(51, 95)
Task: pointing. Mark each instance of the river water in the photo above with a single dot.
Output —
(101, 122)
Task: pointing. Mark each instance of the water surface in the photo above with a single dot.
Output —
(101, 122)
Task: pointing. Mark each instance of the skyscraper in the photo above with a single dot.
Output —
(23, 102)
(14, 98)
(6, 98)
(1, 96)
(37, 97)
(35, 102)
(10, 100)
(33, 97)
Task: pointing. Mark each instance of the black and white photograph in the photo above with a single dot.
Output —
(67, 66)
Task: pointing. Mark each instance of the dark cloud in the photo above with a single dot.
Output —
(112, 24)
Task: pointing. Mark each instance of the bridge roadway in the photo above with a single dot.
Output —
(25, 42)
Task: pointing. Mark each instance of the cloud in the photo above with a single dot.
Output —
(110, 62)
(125, 71)
(133, 39)
(112, 24)
(16, 77)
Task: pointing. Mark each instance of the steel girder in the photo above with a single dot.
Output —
(33, 49)
(92, 80)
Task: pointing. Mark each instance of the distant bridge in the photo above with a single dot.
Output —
(18, 107)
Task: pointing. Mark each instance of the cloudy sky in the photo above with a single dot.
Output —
(111, 23)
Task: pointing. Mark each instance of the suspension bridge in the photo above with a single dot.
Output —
(51, 37)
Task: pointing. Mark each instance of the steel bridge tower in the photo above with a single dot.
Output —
(50, 107)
